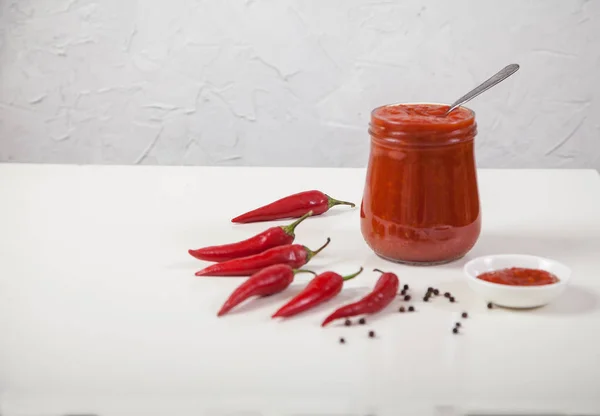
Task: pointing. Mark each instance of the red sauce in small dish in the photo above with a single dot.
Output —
(518, 276)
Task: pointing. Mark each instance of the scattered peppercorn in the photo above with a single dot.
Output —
(405, 287)
(430, 289)
(371, 334)
(411, 308)
(436, 292)
(407, 297)
(447, 294)
(348, 322)
(362, 321)
(452, 299)
(403, 292)
(457, 325)
(426, 299)
(490, 305)
(455, 330)
(465, 315)
(401, 309)
(342, 340)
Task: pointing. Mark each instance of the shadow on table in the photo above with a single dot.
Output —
(575, 300)
(279, 299)
(551, 246)
(273, 302)
(347, 295)
(192, 265)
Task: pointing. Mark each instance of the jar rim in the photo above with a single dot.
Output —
(399, 124)
(419, 132)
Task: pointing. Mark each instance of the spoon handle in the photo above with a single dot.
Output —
(499, 77)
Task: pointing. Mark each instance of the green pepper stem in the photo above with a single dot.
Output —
(331, 202)
(289, 229)
(304, 271)
(352, 276)
(311, 253)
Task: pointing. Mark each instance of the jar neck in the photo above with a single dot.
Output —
(421, 125)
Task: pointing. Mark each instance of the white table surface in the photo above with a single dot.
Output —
(100, 311)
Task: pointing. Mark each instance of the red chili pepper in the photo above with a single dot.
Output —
(292, 206)
(271, 237)
(294, 255)
(322, 288)
(268, 281)
(383, 294)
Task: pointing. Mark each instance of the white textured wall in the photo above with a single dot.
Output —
(290, 82)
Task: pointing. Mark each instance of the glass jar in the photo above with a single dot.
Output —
(421, 201)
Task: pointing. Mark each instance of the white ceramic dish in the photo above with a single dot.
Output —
(516, 296)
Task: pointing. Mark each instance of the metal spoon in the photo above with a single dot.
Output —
(499, 77)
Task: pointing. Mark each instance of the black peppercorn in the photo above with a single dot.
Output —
(411, 308)
(426, 299)
(403, 292)
(401, 309)
(436, 292)
(451, 299)
(457, 325)
(371, 334)
(405, 287)
(490, 305)
(430, 289)
(407, 297)
(455, 330)
(342, 340)
(362, 321)
(447, 295)
(348, 322)
(465, 315)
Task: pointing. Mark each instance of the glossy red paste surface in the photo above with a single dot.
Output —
(422, 117)
(421, 200)
(518, 276)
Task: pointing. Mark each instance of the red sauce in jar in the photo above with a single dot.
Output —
(421, 200)
(518, 276)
